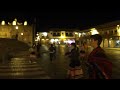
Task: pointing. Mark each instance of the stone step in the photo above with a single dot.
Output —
(23, 74)
(19, 66)
(25, 77)
(20, 70)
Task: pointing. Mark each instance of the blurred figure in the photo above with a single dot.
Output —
(32, 54)
(83, 58)
(83, 51)
(33, 45)
(99, 67)
(33, 57)
(52, 51)
(38, 46)
(75, 70)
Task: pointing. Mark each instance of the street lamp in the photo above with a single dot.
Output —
(16, 27)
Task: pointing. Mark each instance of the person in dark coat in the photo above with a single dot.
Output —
(74, 56)
(99, 66)
(75, 70)
(38, 46)
(52, 51)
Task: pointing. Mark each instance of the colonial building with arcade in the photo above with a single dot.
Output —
(109, 31)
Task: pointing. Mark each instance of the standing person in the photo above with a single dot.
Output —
(32, 54)
(83, 51)
(74, 62)
(99, 67)
(38, 49)
(83, 58)
(52, 51)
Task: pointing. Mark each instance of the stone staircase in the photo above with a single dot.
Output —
(21, 68)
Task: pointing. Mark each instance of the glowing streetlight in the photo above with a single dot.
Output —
(16, 27)
(21, 33)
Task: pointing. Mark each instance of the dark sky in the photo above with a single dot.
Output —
(75, 19)
(63, 18)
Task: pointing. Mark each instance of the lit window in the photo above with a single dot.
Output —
(14, 22)
(25, 23)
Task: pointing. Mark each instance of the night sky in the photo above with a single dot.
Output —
(63, 18)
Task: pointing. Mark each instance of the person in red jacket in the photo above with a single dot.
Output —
(99, 66)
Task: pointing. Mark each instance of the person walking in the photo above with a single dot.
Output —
(52, 51)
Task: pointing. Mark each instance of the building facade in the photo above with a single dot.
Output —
(109, 31)
(58, 36)
(16, 30)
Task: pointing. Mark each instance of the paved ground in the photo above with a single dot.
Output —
(58, 68)
(20, 67)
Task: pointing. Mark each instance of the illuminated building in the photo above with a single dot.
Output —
(109, 31)
(16, 30)
(58, 36)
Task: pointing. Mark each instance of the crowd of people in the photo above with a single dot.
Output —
(95, 64)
